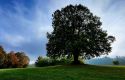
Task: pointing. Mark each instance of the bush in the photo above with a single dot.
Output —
(40, 62)
(43, 62)
(116, 62)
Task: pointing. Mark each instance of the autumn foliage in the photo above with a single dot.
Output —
(2, 56)
(13, 59)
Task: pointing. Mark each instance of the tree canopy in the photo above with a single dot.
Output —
(77, 32)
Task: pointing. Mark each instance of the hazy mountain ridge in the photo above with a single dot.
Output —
(106, 60)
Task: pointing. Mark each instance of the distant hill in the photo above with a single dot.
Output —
(106, 61)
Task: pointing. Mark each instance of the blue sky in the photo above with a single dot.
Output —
(24, 23)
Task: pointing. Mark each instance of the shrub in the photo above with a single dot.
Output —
(62, 61)
(116, 62)
(40, 62)
(43, 62)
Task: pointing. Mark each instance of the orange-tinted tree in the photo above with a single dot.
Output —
(12, 60)
(2, 57)
(23, 60)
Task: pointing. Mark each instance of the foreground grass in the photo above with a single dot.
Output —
(81, 72)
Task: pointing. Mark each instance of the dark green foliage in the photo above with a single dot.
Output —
(43, 62)
(40, 62)
(115, 62)
(77, 32)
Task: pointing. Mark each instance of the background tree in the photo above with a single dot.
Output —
(17, 60)
(77, 32)
(115, 62)
(23, 60)
(12, 60)
(2, 57)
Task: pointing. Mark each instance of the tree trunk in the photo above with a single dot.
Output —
(76, 61)
(76, 55)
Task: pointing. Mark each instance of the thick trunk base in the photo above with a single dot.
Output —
(76, 61)
(76, 57)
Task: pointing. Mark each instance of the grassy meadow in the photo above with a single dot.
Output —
(67, 72)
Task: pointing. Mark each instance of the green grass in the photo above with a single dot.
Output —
(81, 72)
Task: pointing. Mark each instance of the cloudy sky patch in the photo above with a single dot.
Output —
(24, 23)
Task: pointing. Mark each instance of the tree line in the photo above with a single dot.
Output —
(13, 59)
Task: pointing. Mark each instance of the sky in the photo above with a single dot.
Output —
(24, 23)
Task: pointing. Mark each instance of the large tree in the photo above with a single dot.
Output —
(77, 32)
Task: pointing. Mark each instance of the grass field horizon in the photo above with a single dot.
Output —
(65, 72)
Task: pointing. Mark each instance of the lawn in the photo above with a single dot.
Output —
(67, 72)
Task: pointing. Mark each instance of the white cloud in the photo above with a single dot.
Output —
(15, 40)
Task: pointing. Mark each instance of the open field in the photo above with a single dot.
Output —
(67, 72)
